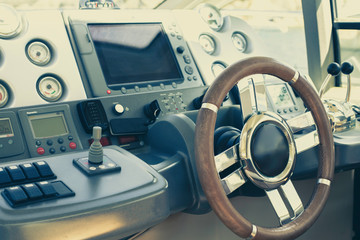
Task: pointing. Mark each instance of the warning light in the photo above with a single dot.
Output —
(108, 91)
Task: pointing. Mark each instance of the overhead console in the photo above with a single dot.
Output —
(132, 52)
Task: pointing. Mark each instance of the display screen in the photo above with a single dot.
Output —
(280, 95)
(5, 128)
(48, 125)
(134, 53)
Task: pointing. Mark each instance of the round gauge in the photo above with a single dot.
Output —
(217, 68)
(4, 95)
(38, 53)
(10, 22)
(211, 15)
(239, 41)
(207, 43)
(49, 88)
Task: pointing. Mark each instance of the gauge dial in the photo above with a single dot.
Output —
(38, 53)
(211, 15)
(239, 41)
(50, 88)
(207, 43)
(10, 22)
(217, 68)
(4, 95)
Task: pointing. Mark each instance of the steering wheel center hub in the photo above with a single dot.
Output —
(267, 149)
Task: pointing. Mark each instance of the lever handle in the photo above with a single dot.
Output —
(96, 150)
(347, 68)
(333, 70)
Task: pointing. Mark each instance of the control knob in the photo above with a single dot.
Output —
(152, 110)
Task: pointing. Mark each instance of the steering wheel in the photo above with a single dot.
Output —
(272, 175)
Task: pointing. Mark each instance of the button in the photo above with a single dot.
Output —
(180, 49)
(149, 87)
(44, 169)
(290, 110)
(119, 109)
(40, 150)
(179, 37)
(10, 141)
(189, 78)
(123, 90)
(279, 111)
(30, 171)
(47, 188)
(285, 111)
(195, 78)
(38, 143)
(137, 89)
(49, 142)
(32, 191)
(72, 145)
(16, 195)
(172, 34)
(63, 149)
(70, 137)
(162, 86)
(296, 108)
(189, 70)
(174, 85)
(187, 59)
(52, 150)
(4, 176)
(60, 140)
(15, 173)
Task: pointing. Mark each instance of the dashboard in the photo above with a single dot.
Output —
(140, 76)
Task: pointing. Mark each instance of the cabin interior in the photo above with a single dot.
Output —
(169, 119)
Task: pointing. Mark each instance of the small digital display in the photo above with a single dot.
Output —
(5, 128)
(280, 95)
(48, 125)
(134, 53)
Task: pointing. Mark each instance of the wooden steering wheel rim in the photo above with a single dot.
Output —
(204, 154)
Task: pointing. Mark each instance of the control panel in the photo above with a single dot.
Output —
(49, 130)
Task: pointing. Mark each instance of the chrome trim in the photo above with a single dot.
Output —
(295, 78)
(307, 141)
(324, 181)
(210, 106)
(227, 158)
(279, 206)
(233, 181)
(250, 168)
(293, 199)
(253, 233)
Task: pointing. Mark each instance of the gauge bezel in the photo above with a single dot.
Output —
(219, 25)
(211, 40)
(217, 63)
(61, 88)
(7, 96)
(243, 39)
(16, 27)
(46, 46)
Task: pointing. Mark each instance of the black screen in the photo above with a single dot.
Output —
(134, 53)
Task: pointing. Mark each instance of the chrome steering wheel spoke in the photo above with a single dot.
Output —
(223, 161)
(301, 122)
(286, 202)
(306, 141)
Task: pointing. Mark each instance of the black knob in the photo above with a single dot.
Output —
(198, 101)
(333, 69)
(152, 110)
(180, 49)
(347, 68)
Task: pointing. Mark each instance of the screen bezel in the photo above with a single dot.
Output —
(11, 129)
(47, 116)
(142, 83)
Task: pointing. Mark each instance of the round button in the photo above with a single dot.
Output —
(1, 145)
(137, 89)
(70, 137)
(290, 110)
(162, 86)
(149, 87)
(285, 111)
(10, 141)
(189, 78)
(119, 109)
(189, 70)
(63, 149)
(72, 145)
(38, 143)
(40, 150)
(49, 142)
(179, 37)
(180, 49)
(174, 85)
(52, 150)
(60, 140)
(296, 108)
(195, 78)
(123, 90)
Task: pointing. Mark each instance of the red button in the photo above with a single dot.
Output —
(40, 150)
(108, 91)
(72, 145)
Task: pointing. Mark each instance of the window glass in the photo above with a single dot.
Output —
(348, 9)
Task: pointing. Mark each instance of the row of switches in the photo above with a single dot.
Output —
(28, 172)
